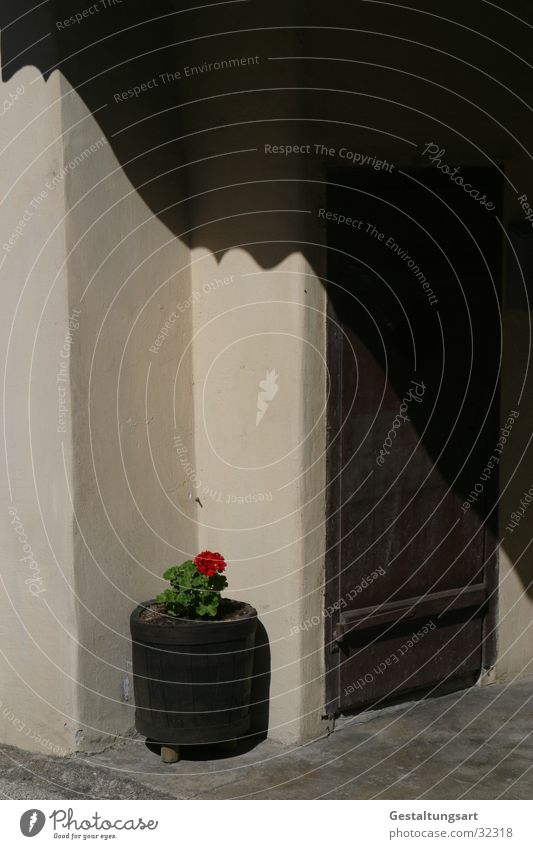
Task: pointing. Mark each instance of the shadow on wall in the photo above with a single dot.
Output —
(170, 98)
(235, 102)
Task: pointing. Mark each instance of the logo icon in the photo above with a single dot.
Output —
(267, 390)
(32, 822)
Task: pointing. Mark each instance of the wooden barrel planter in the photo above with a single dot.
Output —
(192, 679)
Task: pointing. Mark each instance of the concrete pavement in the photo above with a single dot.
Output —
(475, 744)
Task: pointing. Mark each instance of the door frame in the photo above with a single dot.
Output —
(333, 655)
(333, 501)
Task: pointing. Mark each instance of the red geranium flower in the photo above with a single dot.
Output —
(209, 563)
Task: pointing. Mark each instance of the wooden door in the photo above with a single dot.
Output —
(414, 355)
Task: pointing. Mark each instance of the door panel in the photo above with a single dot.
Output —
(414, 354)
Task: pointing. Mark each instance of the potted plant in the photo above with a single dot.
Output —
(193, 659)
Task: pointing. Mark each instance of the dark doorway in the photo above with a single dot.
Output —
(414, 349)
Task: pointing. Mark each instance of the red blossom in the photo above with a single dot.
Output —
(209, 563)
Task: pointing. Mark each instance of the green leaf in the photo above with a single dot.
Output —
(208, 607)
(218, 582)
(191, 592)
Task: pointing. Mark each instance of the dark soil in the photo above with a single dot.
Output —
(228, 611)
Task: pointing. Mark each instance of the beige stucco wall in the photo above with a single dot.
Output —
(129, 508)
(38, 623)
(260, 481)
(127, 274)
(98, 495)
(163, 416)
